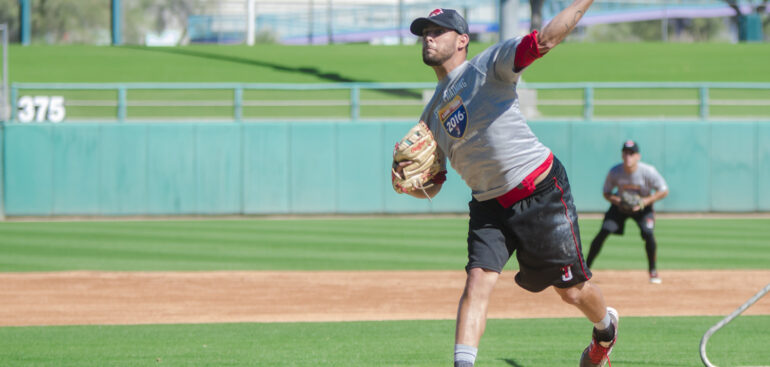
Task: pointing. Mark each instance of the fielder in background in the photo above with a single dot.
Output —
(521, 198)
(631, 187)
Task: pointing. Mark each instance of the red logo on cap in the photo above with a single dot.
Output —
(436, 12)
(629, 143)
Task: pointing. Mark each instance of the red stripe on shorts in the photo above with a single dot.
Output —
(571, 227)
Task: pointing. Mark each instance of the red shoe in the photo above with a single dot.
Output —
(597, 354)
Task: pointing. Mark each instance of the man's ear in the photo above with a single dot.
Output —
(463, 41)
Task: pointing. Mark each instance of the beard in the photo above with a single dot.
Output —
(436, 59)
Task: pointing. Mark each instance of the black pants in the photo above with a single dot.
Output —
(615, 222)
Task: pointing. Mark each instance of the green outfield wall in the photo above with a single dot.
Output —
(343, 167)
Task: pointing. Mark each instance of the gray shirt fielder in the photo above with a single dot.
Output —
(642, 181)
(474, 115)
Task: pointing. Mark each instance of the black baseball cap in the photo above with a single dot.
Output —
(631, 145)
(447, 18)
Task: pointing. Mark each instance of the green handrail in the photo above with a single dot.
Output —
(355, 91)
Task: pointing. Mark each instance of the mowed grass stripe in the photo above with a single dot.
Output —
(347, 244)
(715, 225)
(190, 235)
(207, 246)
(273, 236)
(160, 257)
(370, 230)
(707, 243)
(256, 225)
(305, 260)
(643, 342)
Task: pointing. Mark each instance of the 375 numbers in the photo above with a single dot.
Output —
(41, 109)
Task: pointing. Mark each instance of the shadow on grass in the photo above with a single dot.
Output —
(512, 362)
(331, 77)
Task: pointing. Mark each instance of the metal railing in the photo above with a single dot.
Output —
(703, 101)
(230, 101)
(237, 102)
(704, 340)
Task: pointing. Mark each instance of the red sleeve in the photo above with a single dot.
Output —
(526, 52)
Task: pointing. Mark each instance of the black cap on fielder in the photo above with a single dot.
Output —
(631, 146)
(447, 18)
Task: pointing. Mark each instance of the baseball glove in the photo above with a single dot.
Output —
(419, 147)
(629, 200)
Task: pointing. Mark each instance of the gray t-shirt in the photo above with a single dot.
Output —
(474, 115)
(642, 181)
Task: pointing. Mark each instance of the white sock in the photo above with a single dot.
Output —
(604, 323)
(465, 353)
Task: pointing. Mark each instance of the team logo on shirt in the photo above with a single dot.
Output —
(454, 117)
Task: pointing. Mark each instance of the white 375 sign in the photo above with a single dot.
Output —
(41, 108)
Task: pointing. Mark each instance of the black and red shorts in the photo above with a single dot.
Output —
(542, 229)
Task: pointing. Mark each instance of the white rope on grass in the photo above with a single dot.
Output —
(725, 321)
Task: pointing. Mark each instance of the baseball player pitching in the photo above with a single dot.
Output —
(521, 199)
(631, 188)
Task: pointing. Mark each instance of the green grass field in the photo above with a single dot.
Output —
(366, 244)
(644, 342)
(362, 244)
(346, 244)
(570, 62)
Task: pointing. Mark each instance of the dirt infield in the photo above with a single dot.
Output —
(76, 298)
